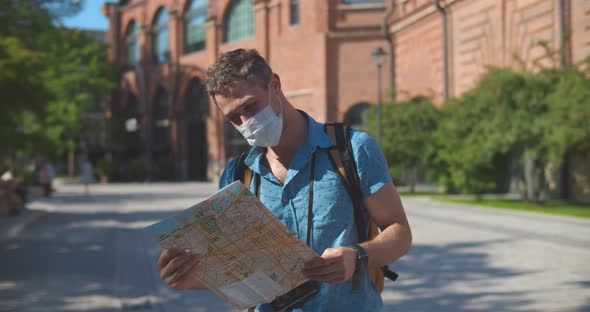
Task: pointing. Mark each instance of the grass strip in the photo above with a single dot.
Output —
(556, 207)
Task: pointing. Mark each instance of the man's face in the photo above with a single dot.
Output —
(243, 101)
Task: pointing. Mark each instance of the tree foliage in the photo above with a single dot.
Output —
(568, 118)
(498, 119)
(77, 76)
(21, 91)
(30, 19)
(49, 76)
(483, 138)
(407, 134)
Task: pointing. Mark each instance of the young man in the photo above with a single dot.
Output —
(288, 148)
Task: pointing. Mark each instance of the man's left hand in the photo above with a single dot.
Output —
(336, 265)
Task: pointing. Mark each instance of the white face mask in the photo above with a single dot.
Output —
(265, 128)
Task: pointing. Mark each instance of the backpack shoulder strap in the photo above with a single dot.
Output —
(335, 150)
(343, 160)
(242, 172)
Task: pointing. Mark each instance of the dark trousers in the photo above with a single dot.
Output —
(46, 189)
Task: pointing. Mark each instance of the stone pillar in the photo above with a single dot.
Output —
(261, 28)
(215, 134)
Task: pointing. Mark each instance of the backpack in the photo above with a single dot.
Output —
(342, 159)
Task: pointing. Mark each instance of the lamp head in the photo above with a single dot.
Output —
(378, 56)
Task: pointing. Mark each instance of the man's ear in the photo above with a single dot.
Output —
(214, 100)
(275, 82)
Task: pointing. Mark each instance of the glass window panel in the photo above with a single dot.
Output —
(132, 44)
(239, 23)
(160, 36)
(195, 18)
(294, 12)
(161, 120)
(197, 4)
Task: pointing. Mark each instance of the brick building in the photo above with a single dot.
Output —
(457, 39)
(321, 49)
(478, 33)
(160, 112)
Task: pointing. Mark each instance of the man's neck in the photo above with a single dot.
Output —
(294, 134)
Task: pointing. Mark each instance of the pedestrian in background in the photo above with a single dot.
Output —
(86, 175)
(44, 180)
(50, 176)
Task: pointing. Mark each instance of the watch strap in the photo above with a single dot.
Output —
(361, 265)
(362, 253)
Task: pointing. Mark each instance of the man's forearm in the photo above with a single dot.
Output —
(389, 245)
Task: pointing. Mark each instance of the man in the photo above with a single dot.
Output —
(285, 143)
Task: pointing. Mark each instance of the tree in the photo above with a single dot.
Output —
(22, 92)
(528, 119)
(497, 121)
(407, 134)
(77, 76)
(468, 164)
(30, 19)
(49, 76)
(568, 118)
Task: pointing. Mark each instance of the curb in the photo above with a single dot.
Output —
(12, 227)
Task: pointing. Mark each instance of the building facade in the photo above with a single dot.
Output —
(160, 115)
(479, 33)
(442, 47)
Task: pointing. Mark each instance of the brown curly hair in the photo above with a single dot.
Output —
(237, 65)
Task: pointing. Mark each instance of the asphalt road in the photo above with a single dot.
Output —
(90, 254)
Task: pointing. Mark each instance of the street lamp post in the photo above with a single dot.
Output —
(378, 56)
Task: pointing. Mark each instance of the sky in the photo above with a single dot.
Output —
(89, 18)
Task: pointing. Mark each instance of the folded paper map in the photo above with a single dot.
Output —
(248, 256)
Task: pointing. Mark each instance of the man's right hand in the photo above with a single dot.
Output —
(178, 267)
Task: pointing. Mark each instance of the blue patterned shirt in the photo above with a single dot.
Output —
(333, 216)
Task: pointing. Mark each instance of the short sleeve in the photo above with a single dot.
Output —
(227, 176)
(371, 164)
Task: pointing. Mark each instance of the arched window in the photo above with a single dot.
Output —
(131, 115)
(194, 26)
(197, 109)
(160, 37)
(132, 124)
(197, 100)
(239, 21)
(131, 44)
(161, 121)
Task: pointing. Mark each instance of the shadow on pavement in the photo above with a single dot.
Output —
(427, 281)
(585, 308)
(109, 198)
(92, 262)
(103, 262)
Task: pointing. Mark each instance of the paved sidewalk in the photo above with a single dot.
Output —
(90, 254)
(466, 258)
(11, 227)
(36, 210)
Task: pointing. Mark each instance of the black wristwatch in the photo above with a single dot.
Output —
(362, 258)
